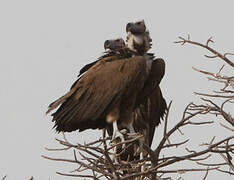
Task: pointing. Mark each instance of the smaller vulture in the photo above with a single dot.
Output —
(114, 47)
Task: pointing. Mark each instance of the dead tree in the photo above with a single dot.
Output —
(95, 158)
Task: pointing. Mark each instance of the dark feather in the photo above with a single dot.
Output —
(86, 68)
(97, 91)
(150, 108)
(120, 54)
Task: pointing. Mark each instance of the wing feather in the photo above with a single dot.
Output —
(104, 84)
(152, 106)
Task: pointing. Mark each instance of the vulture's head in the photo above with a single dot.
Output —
(138, 38)
(136, 28)
(114, 44)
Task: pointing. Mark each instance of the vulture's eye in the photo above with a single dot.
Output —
(138, 23)
(106, 43)
(128, 26)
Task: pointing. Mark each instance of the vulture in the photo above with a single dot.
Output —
(120, 90)
(107, 93)
(147, 115)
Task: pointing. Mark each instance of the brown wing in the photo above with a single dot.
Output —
(156, 109)
(151, 108)
(156, 74)
(154, 106)
(158, 70)
(59, 101)
(146, 117)
(103, 85)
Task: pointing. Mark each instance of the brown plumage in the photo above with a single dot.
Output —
(150, 110)
(121, 87)
(151, 107)
(107, 85)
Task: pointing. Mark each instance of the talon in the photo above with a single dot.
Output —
(124, 131)
(115, 139)
(116, 135)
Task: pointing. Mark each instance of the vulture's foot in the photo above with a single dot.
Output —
(143, 167)
(117, 135)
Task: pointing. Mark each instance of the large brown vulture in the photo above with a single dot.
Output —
(120, 88)
(106, 94)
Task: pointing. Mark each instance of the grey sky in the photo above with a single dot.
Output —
(44, 43)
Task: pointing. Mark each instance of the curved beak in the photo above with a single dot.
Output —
(129, 27)
(107, 44)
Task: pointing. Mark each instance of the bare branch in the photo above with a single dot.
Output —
(227, 127)
(96, 159)
(228, 172)
(75, 175)
(209, 164)
(175, 144)
(213, 95)
(207, 172)
(206, 46)
(166, 119)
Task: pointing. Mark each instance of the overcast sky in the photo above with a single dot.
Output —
(44, 43)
